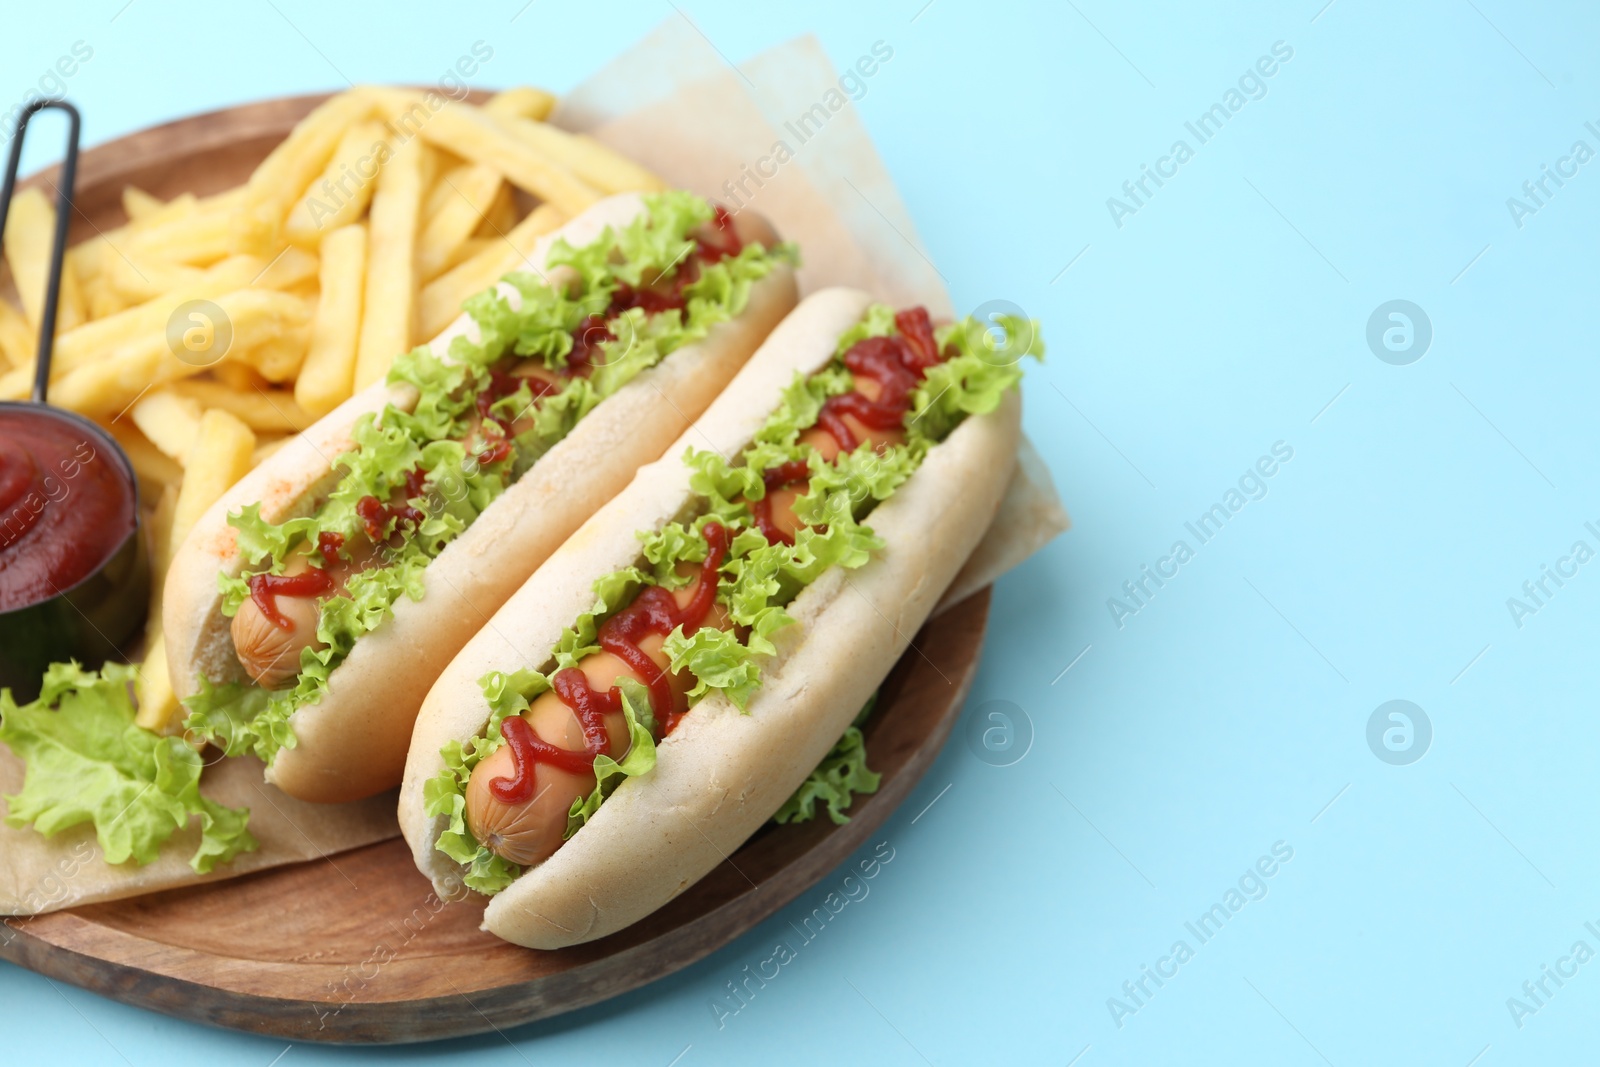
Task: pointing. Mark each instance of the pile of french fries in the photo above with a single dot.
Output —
(357, 238)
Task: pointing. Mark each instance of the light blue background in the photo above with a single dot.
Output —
(1227, 714)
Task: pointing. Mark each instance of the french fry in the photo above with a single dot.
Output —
(169, 420)
(472, 246)
(501, 216)
(158, 704)
(101, 299)
(200, 238)
(151, 211)
(106, 386)
(523, 102)
(387, 321)
(18, 340)
(137, 280)
(240, 377)
(287, 269)
(479, 138)
(277, 357)
(603, 168)
(290, 167)
(96, 340)
(341, 193)
(222, 450)
(85, 255)
(463, 197)
(160, 533)
(138, 204)
(30, 230)
(263, 410)
(441, 299)
(327, 377)
(153, 467)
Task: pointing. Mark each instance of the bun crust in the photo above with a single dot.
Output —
(722, 773)
(352, 743)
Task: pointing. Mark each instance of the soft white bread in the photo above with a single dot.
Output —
(721, 773)
(352, 743)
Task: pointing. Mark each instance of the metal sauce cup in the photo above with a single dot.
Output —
(98, 610)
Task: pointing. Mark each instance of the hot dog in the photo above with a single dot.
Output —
(670, 675)
(311, 607)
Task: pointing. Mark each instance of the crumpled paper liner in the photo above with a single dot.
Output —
(39, 875)
(672, 103)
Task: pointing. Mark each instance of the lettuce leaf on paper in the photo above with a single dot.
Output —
(89, 763)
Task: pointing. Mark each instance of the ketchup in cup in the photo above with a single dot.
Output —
(74, 580)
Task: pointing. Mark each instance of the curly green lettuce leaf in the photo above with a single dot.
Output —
(841, 775)
(610, 593)
(89, 763)
(510, 694)
(718, 660)
(446, 792)
(877, 322)
(975, 379)
(240, 718)
(609, 773)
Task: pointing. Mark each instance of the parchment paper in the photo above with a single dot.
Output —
(39, 875)
(675, 105)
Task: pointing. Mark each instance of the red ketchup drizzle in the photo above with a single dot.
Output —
(266, 588)
(897, 363)
(501, 385)
(596, 329)
(723, 241)
(653, 611)
(375, 515)
(889, 362)
(586, 341)
(781, 477)
(656, 611)
(329, 544)
(726, 242)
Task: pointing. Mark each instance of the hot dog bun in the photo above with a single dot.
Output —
(352, 743)
(721, 774)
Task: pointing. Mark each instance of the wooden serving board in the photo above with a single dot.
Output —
(354, 947)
